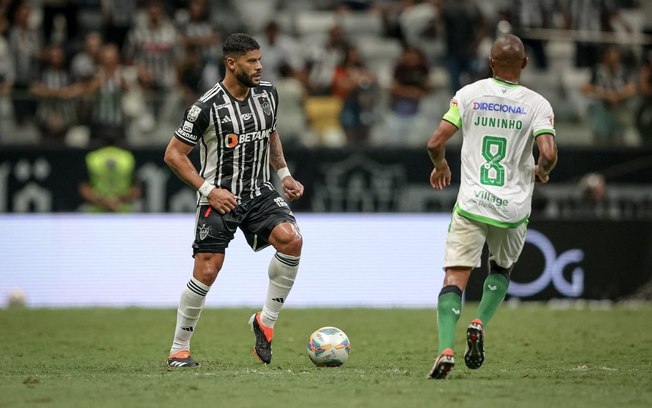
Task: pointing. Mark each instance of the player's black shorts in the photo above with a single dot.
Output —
(256, 218)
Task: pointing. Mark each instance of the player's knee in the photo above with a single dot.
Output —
(495, 268)
(207, 266)
(297, 240)
(457, 276)
(293, 245)
(205, 276)
(287, 239)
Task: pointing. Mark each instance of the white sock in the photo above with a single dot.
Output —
(282, 271)
(190, 307)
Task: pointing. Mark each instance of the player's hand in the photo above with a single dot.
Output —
(539, 176)
(292, 188)
(223, 200)
(440, 177)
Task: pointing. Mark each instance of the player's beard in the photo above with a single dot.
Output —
(246, 80)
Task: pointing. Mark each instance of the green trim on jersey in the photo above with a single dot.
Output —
(505, 83)
(453, 116)
(487, 220)
(544, 131)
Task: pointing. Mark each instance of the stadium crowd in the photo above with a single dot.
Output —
(377, 72)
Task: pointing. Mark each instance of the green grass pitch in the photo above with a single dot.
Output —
(536, 357)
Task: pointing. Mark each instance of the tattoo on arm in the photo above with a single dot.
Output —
(276, 157)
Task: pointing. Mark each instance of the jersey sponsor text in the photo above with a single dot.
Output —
(232, 140)
(499, 107)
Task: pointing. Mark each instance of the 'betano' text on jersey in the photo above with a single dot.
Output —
(234, 138)
(500, 122)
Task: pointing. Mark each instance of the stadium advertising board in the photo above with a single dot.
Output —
(588, 259)
(145, 260)
(375, 260)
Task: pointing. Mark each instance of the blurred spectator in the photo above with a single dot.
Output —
(465, 28)
(152, 46)
(292, 120)
(417, 20)
(5, 6)
(166, 73)
(413, 22)
(108, 88)
(110, 185)
(389, 12)
(118, 19)
(532, 14)
(644, 113)
(645, 10)
(65, 9)
(6, 81)
(588, 199)
(55, 94)
(84, 64)
(25, 48)
(611, 88)
(143, 118)
(593, 202)
(254, 14)
(6, 66)
(199, 32)
(321, 64)
(83, 67)
(279, 49)
(355, 85)
(194, 75)
(589, 15)
(410, 84)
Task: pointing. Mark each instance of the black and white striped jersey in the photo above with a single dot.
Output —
(53, 107)
(155, 48)
(107, 105)
(202, 29)
(234, 138)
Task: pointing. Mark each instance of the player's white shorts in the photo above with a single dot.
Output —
(466, 239)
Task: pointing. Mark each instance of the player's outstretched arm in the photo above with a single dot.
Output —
(292, 188)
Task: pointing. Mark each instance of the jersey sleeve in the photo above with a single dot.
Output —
(194, 123)
(454, 115)
(544, 122)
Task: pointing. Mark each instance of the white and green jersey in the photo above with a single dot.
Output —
(499, 122)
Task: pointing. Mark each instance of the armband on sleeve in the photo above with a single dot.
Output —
(453, 115)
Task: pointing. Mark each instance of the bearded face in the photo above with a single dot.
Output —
(247, 80)
(247, 68)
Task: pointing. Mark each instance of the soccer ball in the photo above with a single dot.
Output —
(329, 347)
(16, 298)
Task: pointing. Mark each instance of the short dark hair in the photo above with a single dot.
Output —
(238, 44)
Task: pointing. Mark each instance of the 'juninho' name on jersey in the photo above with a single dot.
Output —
(502, 123)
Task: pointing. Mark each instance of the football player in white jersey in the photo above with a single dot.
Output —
(501, 121)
